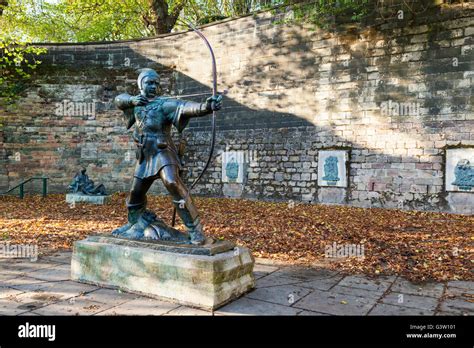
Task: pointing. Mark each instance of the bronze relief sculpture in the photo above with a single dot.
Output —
(157, 158)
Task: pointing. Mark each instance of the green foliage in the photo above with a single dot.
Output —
(322, 13)
(109, 20)
(17, 61)
(17, 58)
(75, 21)
(317, 12)
(207, 11)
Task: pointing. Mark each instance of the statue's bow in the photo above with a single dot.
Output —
(214, 93)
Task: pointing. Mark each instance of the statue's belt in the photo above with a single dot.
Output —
(149, 140)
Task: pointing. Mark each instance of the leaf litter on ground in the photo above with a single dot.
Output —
(418, 245)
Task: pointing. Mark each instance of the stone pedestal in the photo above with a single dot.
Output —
(233, 190)
(332, 195)
(80, 198)
(206, 276)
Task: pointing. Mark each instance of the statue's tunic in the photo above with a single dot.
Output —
(152, 135)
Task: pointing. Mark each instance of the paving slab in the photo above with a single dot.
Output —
(413, 301)
(25, 283)
(461, 284)
(386, 309)
(10, 307)
(344, 290)
(459, 292)
(337, 304)
(6, 292)
(73, 306)
(28, 314)
(275, 280)
(248, 306)
(69, 288)
(360, 282)
(458, 301)
(11, 273)
(62, 290)
(57, 273)
(426, 289)
(305, 273)
(285, 295)
(141, 306)
(109, 296)
(321, 283)
(26, 264)
(7, 276)
(310, 313)
(260, 271)
(28, 301)
(183, 310)
(58, 257)
(21, 267)
(451, 314)
(459, 305)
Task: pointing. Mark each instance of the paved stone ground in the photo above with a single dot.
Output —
(43, 288)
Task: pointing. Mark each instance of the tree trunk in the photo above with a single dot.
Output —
(163, 21)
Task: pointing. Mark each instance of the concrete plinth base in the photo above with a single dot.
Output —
(199, 276)
(233, 190)
(80, 198)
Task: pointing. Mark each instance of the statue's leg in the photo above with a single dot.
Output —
(100, 190)
(136, 203)
(183, 202)
(139, 190)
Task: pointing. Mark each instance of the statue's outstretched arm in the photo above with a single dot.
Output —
(182, 111)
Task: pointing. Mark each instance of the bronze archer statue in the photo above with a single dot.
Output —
(157, 158)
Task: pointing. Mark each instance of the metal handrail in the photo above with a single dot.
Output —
(22, 184)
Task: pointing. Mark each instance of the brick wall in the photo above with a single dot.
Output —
(292, 92)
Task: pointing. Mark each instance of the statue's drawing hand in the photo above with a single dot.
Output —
(139, 100)
(214, 103)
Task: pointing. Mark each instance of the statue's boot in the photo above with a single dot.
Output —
(134, 213)
(137, 231)
(188, 213)
(196, 232)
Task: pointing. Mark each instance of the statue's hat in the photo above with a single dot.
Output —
(146, 73)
